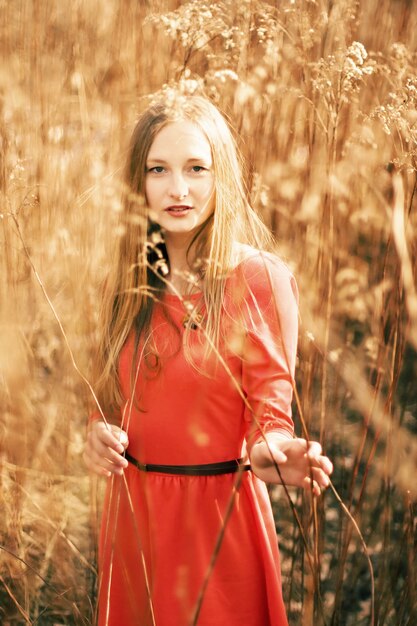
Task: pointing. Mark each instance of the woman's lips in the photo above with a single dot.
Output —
(178, 210)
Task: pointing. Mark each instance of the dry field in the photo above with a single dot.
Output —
(323, 95)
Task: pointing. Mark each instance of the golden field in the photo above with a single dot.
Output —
(323, 97)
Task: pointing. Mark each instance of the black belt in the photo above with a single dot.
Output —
(207, 469)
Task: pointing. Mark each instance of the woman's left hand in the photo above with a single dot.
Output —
(300, 463)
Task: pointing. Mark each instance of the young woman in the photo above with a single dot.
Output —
(196, 363)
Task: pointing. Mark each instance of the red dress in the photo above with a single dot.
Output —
(159, 531)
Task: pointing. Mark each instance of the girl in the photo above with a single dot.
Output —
(196, 364)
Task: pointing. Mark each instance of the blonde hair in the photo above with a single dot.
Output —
(137, 278)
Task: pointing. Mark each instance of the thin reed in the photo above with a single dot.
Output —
(323, 98)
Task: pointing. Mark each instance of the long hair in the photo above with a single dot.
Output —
(137, 278)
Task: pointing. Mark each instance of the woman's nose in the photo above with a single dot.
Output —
(178, 187)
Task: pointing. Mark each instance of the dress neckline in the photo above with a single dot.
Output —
(182, 297)
(198, 294)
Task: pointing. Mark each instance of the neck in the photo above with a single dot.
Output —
(177, 245)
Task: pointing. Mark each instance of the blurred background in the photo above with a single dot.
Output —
(322, 95)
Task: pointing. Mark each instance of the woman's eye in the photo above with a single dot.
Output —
(158, 169)
(198, 168)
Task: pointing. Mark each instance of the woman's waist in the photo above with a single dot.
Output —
(216, 468)
(185, 457)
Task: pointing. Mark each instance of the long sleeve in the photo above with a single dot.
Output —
(270, 311)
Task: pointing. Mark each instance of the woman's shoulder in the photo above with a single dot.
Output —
(256, 266)
(260, 279)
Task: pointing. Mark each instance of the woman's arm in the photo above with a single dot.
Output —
(268, 380)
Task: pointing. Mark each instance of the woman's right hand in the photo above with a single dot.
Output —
(104, 448)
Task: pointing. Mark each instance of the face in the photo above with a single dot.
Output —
(179, 181)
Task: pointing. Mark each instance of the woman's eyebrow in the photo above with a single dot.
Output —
(190, 160)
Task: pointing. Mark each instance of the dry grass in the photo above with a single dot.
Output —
(330, 128)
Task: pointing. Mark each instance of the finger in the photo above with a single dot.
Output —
(326, 464)
(121, 436)
(314, 450)
(112, 439)
(123, 439)
(311, 486)
(323, 462)
(94, 467)
(108, 457)
(101, 438)
(99, 471)
(98, 451)
(103, 465)
(320, 477)
(102, 471)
